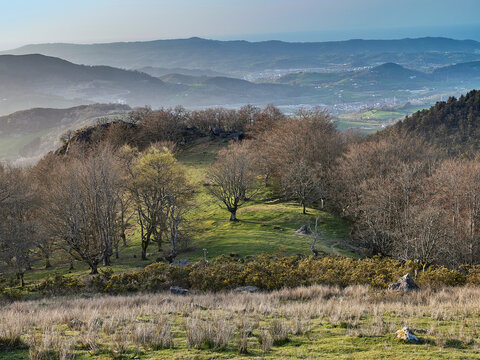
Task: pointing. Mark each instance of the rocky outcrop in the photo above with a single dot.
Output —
(405, 283)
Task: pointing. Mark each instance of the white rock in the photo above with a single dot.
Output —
(406, 334)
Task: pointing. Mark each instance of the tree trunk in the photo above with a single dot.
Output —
(21, 277)
(117, 256)
(233, 216)
(145, 243)
(124, 238)
(304, 208)
(106, 260)
(159, 242)
(94, 269)
(47, 262)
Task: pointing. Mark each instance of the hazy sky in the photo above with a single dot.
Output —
(86, 21)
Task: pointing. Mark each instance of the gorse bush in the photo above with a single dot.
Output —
(155, 277)
(60, 285)
(267, 272)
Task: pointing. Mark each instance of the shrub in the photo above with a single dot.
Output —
(12, 294)
(271, 272)
(223, 273)
(155, 277)
(60, 285)
(124, 282)
(441, 276)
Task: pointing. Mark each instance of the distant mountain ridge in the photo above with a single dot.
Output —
(232, 56)
(388, 76)
(29, 134)
(29, 81)
(39, 119)
(32, 81)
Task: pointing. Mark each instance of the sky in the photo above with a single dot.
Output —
(89, 21)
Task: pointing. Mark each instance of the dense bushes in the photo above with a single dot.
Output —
(267, 272)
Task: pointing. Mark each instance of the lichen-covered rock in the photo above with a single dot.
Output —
(405, 283)
(177, 290)
(304, 230)
(406, 334)
(250, 289)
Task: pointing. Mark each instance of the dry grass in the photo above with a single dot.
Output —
(253, 323)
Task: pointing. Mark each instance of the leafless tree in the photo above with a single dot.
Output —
(18, 203)
(82, 207)
(232, 178)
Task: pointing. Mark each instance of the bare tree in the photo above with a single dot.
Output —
(232, 178)
(18, 203)
(82, 207)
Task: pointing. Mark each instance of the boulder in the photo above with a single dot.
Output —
(249, 289)
(406, 334)
(181, 263)
(405, 283)
(216, 131)
(177, 290)
(304, 230)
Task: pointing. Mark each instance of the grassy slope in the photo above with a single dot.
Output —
(266, 225)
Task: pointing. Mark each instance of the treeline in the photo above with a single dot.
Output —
(81, 199)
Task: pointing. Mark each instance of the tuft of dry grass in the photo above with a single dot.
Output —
(211, 333)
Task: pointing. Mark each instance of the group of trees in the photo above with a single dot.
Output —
(82, 204)
(407, 201)
(295, 155)
(82, 199)
(404, 197)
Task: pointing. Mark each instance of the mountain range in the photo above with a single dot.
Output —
(30, 81)
(239, 57)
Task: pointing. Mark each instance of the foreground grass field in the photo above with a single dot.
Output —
(319, 322)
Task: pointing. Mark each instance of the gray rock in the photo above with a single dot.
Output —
(405, 283)
(177, 290)
(406, 334)
(182, 263)
(304, 230)
(250, 289)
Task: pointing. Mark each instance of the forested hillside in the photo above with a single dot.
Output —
(452, 126)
